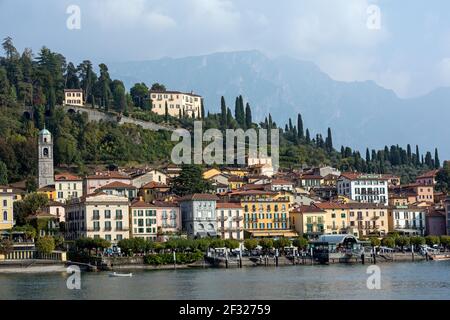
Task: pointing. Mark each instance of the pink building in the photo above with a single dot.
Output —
(428, 178)
(435, 222)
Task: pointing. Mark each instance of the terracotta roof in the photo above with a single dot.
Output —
(308, 209)
(73, 90)
(140, 204)
(251, 192)
(48, 188)
(311, 176)
(67, 177)
(165, 204)
(230, 205)
(108, 175)
(117, 185)
(281, 181)
(428, 174)
(153, 185)
(200, 197)
(330, 205)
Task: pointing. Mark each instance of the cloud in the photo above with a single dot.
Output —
(118, 14)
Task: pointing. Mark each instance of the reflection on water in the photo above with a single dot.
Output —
(424, 280)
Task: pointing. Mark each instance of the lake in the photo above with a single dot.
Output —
(420, 280)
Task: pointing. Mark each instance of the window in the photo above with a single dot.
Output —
(119, 214)
(108, 237)
(107, 214)
(96, 215)
(119, 225)
(5, 216)
(5, 203)
(107, 225)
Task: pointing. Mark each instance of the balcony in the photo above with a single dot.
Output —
(240, 218)
(119, 217)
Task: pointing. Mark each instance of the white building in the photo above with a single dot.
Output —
(367, 188)
(230, 218)
(68, 186)
(447, 215)
(98, 216)
(198, 212)
(408, 219)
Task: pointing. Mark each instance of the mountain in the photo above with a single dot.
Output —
(361, 114)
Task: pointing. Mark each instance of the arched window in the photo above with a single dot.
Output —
(45, 152)
(5, 216)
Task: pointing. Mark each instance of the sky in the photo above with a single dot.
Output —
(406, 47)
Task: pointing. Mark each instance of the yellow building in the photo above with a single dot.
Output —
(308, 220)
(49, 191)
(211, 173)
(178, 103)
(73, 97)
(235, 182)
(266, 213)
(6, 206)
(240, 172)
(336, 218)
(368, 219)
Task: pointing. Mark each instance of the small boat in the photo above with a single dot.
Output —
(440, 257)
(115, 274)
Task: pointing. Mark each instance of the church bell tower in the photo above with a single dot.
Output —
(45, 158)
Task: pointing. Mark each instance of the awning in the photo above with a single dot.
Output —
(201, 234)
(212, 234)
(274, 233)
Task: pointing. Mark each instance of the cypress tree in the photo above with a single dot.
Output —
(223, 112)
(300, 126)
(329, 141)
(367, 155)
(418, 155)
(202, 106)
(166, 113)
(437, 162)
(290, 125)
(229, 118)
(248, 116)
(408, 153)
(342, 151)
(308, 138)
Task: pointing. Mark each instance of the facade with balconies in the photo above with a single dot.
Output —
(179, 104)
(198, 212)
(98, 216)
(365, 188)
(409, 220)
(230, 220)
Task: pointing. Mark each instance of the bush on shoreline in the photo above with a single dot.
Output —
(167, 258)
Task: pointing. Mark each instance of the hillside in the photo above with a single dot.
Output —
(361, 113)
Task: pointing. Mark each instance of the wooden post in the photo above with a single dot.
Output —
(412, 252)
(174, 260)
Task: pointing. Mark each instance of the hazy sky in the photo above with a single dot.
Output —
(410, 53)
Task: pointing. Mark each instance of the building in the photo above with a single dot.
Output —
(415, 192)
(153, 191)
(408, 220)
(230, 224)
(198, 212)
(367, 219)
(73, 97)
(447, 215)
(308, 221)
(367, 188)
(264, 169)
(140, 178)
(337, 220)
(120, 189)
(427, 178)
(49, 191)
(68, 186)
(143, 220)
(179, 104)
(102, 178)
(6, 207)
(309, 181)
(266, 213)
(56, 209)
(435, 222)
(45, 159)
(98, 215)
(282, 185)
(168, 219)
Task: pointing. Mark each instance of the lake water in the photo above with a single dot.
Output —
(421, 280)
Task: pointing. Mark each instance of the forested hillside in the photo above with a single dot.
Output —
(38, 82)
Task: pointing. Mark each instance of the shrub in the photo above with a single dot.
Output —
(445, 241)
(374, 242)
(417, 241)
(167, 258)
(402, 241)
(432, 240)
(6, 246)
(282, 242)
(45, 245)
(231, 244)
(266, 243)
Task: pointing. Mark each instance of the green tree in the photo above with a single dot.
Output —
(445, 241)
(139, 94)
(300, 243)
(388, 242)
(158, 87)
(6, 246)
(250, 244)
(3, 174)
(281, 243)
(417, 241)
(119, 96)
(248, 116)
(190, 181)
(402, 241)
(375, 242)
(266, 244)
(103, 87)
(432, 240)
(437, 162)
(45, 245)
